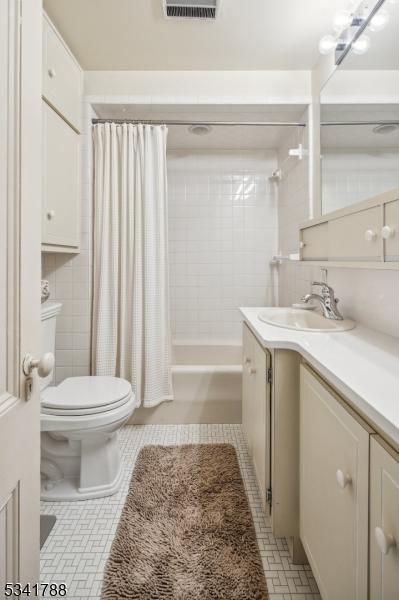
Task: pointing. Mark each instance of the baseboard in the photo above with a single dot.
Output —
(179, 412)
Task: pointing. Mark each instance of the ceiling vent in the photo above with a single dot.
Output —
(191, 9)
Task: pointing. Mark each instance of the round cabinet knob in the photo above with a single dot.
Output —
(370, 235)
(44, 365)
(387, 232)
(252, 371)
(50, 214)
(51, 73)
(385, 542)
(343, 479)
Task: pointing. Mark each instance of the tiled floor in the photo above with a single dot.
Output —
(77, 548)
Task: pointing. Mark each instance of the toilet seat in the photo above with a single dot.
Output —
(80, 396)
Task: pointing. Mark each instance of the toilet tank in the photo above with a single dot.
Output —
(50, 310)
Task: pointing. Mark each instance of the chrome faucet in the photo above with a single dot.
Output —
(327, 300)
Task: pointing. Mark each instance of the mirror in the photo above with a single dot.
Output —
(360, 119)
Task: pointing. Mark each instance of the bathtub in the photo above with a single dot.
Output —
(207, 381)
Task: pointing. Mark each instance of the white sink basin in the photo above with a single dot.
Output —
(302, 320)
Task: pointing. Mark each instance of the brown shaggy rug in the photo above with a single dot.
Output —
(186, 531)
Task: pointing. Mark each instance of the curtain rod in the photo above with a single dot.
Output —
(339, 123)
(195, 123)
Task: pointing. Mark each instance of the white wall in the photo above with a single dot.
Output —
(222, 235)
(208, 87)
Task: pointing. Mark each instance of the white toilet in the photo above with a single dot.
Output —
(80, 419)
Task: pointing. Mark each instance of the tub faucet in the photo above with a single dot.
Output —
(327, 300)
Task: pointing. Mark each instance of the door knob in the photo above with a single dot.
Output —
(385, 542)
(44, 365)
(343, 479)
(370, 235)
(387, 232)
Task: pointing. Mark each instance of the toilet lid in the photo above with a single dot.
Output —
(86, 395)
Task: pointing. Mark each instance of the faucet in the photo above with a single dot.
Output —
(327, 300)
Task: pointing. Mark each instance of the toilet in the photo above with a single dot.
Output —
(80, 419)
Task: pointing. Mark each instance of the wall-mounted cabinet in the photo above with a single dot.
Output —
(363, 235)
(62, 76)
(62, 98)
(61, 182)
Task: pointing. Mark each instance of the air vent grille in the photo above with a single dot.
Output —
(191, 12)
(191, 9)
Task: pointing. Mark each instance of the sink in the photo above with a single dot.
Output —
(302, 320)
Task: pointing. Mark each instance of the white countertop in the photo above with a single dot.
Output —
(361, 363)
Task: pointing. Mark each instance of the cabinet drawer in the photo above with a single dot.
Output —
(61, 181)
(334, 468)
(315, 242)
(391, 242)
(356, 236)
(384, 521)
(62, 76)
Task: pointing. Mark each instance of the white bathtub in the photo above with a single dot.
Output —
(207, 381)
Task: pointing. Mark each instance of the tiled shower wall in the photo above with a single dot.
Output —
(222, 236)
(367, 295)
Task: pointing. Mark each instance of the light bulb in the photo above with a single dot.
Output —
(361, 45)
(379, 20)
(342, 20)
(327, 44)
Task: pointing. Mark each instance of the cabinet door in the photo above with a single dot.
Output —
(61, 182)
(315, 242)
(247, 380)
(391, 230)
(62, 76)
(256, 409)
(333, 491)
(356, 236)
(384, 522)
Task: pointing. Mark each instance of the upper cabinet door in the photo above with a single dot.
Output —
(334, 468)
(390, 231)
(356, 236)
(384, 522)
(62, 76)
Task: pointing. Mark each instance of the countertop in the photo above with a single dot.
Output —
(362, 364)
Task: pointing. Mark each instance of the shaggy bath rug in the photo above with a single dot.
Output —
(186, 531)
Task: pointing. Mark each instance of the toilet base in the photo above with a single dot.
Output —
(68, 490)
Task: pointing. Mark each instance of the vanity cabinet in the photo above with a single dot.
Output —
(62, 99)
(334, 467)
(256, 409)
(356, 236)
(384, 521)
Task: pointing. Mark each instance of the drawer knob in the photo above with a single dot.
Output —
(50, 214)
(51, 73)
(387, 232)
(385, 542)
(370, 235)
(343, 479)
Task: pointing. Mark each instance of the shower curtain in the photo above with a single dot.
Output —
(131, 335)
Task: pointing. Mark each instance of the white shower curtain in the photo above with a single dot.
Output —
(131, 327)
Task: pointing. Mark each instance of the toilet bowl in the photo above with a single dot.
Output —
(80, 419)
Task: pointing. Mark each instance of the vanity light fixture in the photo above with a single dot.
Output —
(349, 28)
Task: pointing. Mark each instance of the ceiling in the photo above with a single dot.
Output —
(248, 34)
(221, 138)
